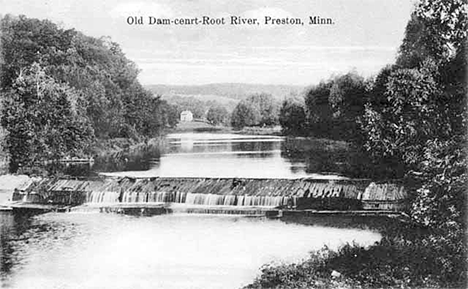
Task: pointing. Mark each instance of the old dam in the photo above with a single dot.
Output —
(149, 196)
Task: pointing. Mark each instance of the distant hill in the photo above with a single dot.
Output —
(195, 101)
(236, 91)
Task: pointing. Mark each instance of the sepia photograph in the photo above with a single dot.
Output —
(195, 144)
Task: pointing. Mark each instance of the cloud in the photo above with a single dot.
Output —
(142, 8)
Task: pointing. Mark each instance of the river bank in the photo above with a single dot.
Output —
(200, 126)
(407, 256)
(8, 183)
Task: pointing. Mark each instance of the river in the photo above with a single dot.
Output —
(92, 250)
(232, 155)
(172, 251)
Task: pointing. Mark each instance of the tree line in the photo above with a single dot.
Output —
(259, 109)
(62, 90)
(412, 118)
(214, 112)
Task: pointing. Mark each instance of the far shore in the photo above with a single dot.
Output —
(201, 126)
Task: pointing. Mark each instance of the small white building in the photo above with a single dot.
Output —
(186, 116)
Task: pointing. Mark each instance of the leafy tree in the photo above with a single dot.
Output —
(423, 101)
(244, 115)
(421, 123)
(94, 70)
(257, 109)
(347, 96)
(44, 120)
(347, 99)
(411, 118)
(436, 30)
(377, 86)
(260, 110)
(292, 117)
(319, 110)
(266, 106)
(95, 67)
(335, 106)
(168, 112)
(217, 115)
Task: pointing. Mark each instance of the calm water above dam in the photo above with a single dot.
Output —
(79, 250)
(230, 155)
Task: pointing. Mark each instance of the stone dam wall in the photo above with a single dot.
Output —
(297, 194)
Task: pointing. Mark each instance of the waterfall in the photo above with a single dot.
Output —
(102, 197)
(188, 198)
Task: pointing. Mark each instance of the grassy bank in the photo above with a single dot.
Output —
(406, 257)
(200, 126)
(254, 130)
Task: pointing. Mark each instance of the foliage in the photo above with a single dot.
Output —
(319, 111)
(168, 114)
(436, 30)
(292, 117)
(244, 115)
(258, 109)
(407, 257)
(44, 119)
(96, 68)
(255, 110)
(267, 106)
(197, 107)
(217, 115)
(413, 118)
(95, 71)
(335, 106)
(440, 200)
(422, 122)
(347, 98)
(347, 95)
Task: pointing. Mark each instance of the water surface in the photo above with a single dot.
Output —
(226, 155)
(77, 250)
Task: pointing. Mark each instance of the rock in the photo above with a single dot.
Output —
(335, 274)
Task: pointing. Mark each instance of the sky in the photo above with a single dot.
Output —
(365, 37)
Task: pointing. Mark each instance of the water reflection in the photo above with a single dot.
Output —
(11, 229)
(220, 155)
(171, 251)
(232, 155)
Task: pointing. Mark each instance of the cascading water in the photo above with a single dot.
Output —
(96, 197)
(102, 197)
(233, 200)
